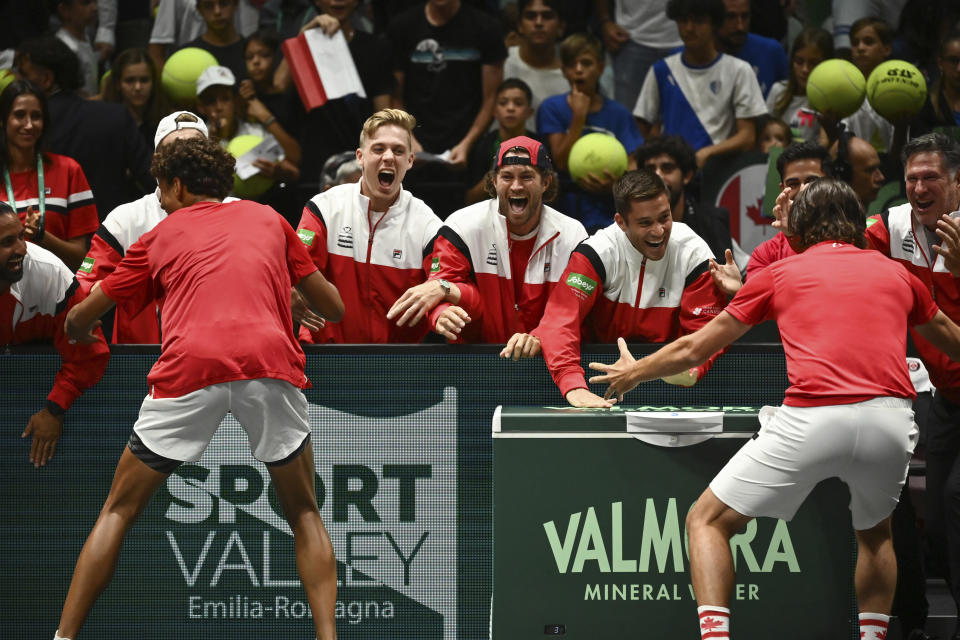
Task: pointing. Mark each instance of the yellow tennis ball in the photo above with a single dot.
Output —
(256, 185)
(836, 86)
(896, 90)
(594, 153)
(180, 73)
(6, 77)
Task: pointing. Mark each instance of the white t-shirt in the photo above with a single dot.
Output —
(88, 61)
(178, 21)
(799, 115)
(543, 82)
(647, 23)
(871, 126)
(700, 103)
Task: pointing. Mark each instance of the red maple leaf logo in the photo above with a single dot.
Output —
(879, 635)
(709, 624)
(755, 213)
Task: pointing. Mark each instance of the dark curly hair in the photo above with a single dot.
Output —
(637, 186)
(202, 165)
(828, 209)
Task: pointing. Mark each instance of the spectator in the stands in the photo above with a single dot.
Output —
(872, 42)
(135, 83)
(765, 55)
(535, 60)
(448, 61)
(48, 191)
(101, 136)
(336, 126)
(788, 100)
(513, 104)
(563, 119)
(708, 97)
(178, 22)
(772, 132)
(76, 16)
(221, 37)
(942, 108)
(228, 115)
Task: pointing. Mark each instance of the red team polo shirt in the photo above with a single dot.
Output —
(221, 274)
(70, 209)
(851, 349)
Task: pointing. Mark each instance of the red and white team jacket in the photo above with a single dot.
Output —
(119, 230)
(473, 252)
(897, 234)
(371, 260)
(610, 290)
(33, 310)
(117, 233)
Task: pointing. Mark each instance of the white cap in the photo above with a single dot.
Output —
(213, 76)
(176, 121)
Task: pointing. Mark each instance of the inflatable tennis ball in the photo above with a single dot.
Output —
(595, 152)
(896, 90)
(836, 87)
(6, 77)
(180, 73)
(256, 185)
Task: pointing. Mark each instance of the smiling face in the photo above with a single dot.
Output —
(13, 248)
(520, 189)
(25, 122)
(384, 159)
(648, 225)
(931, 189)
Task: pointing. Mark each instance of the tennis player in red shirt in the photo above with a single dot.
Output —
(221, 273)
(847, 412)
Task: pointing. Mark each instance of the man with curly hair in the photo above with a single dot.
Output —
(228, 345)
(847, 413)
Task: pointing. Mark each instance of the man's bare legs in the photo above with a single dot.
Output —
(134, 483)
(710, 525)
(316, 564)
(876, 576)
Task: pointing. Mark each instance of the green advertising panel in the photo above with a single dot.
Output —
(404, 479)
(589, 541)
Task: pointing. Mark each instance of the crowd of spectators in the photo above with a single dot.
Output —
(440, 202)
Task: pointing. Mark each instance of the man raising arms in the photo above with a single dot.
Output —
(228, 345)
(847, 412)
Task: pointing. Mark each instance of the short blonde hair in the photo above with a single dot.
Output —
(397, 117)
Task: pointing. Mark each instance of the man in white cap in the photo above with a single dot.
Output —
(124, 226)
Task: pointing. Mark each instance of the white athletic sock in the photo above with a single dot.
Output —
(714, 622)
(873, 626)
(57, 636)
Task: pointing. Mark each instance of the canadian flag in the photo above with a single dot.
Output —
(322, 67)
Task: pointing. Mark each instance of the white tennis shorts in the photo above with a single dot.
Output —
(272, 412)
(866, 444)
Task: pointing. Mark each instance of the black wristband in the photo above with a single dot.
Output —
(41, 230)
(55, 409)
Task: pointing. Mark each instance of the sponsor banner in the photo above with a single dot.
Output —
(596, 544)
(403, 454)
